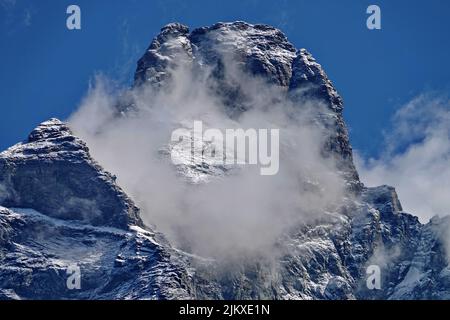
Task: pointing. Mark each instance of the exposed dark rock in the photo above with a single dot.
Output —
(53, 173)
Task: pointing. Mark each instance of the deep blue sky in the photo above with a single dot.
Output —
(46, 69)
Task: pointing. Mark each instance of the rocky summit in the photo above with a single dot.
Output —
(261, 51)
(59, 208)
(53, 173)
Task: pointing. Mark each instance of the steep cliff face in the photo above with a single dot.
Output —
(58, 207)
(226, 51)
(53, 173)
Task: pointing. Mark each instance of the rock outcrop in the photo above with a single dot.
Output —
(53, 173)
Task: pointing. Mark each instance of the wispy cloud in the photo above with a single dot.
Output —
(7, 4)
(129, 54)
(27, 17)
(416, 157)
(16, 16)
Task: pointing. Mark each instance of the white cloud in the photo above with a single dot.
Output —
(240, 212)
(416, 158)
(27, 17)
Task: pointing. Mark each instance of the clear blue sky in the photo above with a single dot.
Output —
(46, 69)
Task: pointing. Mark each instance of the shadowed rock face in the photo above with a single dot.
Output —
(53, 173)
(36, 252)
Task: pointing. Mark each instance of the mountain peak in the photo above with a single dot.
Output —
(51, 128)
(260, 51)
(53, 173)
(175, 28)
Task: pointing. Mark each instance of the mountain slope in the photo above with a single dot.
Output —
(65, 210)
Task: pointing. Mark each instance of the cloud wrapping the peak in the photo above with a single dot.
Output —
(236, 212)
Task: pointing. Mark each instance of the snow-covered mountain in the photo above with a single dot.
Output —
(59, 207)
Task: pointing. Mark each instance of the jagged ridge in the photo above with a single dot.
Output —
(53, 173)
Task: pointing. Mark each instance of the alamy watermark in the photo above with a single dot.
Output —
(374, 20)
(74, 277)
(236, 146)
(373, 280)
(73, 21)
